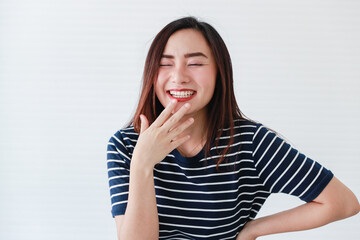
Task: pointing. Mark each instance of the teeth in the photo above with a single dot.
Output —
(181, 94)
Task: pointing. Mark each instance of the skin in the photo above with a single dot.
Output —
(182, 125)
(188, 63)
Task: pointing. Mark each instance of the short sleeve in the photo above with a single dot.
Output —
(118, 166)
(283, 169)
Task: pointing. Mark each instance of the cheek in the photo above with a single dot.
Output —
(157, 89)
(212, 81)
(160, 92)
(159, 86)
(207, 81)
(160, 81)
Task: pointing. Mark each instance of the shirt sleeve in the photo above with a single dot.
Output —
(283, 169)
(118, 166)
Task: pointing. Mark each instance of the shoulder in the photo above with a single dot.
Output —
(251, 126)
(243, 123)
(121, 145)
(243, 130)
(249, 129)
(125, 137)
(245, 126)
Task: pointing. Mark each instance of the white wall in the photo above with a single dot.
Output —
(70, 73)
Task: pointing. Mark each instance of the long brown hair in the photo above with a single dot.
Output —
(222, 110)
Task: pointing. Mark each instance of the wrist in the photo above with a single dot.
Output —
(140, 166)
(251, 230)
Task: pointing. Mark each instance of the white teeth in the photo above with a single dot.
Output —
(181, 94)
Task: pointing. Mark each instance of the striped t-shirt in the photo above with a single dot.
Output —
(195, 201)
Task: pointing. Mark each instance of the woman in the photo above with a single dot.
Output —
(191, 166)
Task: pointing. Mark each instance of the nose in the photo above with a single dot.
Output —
(179, 75)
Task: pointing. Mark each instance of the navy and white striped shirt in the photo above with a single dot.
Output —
(195, 201)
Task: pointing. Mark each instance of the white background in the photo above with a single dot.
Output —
(70, 73)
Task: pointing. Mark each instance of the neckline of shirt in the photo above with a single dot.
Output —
(194, 160)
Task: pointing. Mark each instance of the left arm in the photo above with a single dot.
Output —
(335, 202)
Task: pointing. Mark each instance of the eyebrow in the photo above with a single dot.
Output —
(187, 55)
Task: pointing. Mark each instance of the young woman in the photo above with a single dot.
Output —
(191, 166)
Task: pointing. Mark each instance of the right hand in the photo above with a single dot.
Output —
(163, 136)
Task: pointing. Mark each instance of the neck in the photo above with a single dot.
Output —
(198, 135)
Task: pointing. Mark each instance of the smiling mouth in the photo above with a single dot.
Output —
(181, 95)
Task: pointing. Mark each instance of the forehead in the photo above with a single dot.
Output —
(185, 41)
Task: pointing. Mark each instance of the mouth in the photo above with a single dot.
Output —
(181, 95)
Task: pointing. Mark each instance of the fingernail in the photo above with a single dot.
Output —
(173, 101)
(187, 105)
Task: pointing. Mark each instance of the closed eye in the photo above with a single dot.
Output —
(196, 64)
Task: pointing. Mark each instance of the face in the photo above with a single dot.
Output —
(187, 71)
